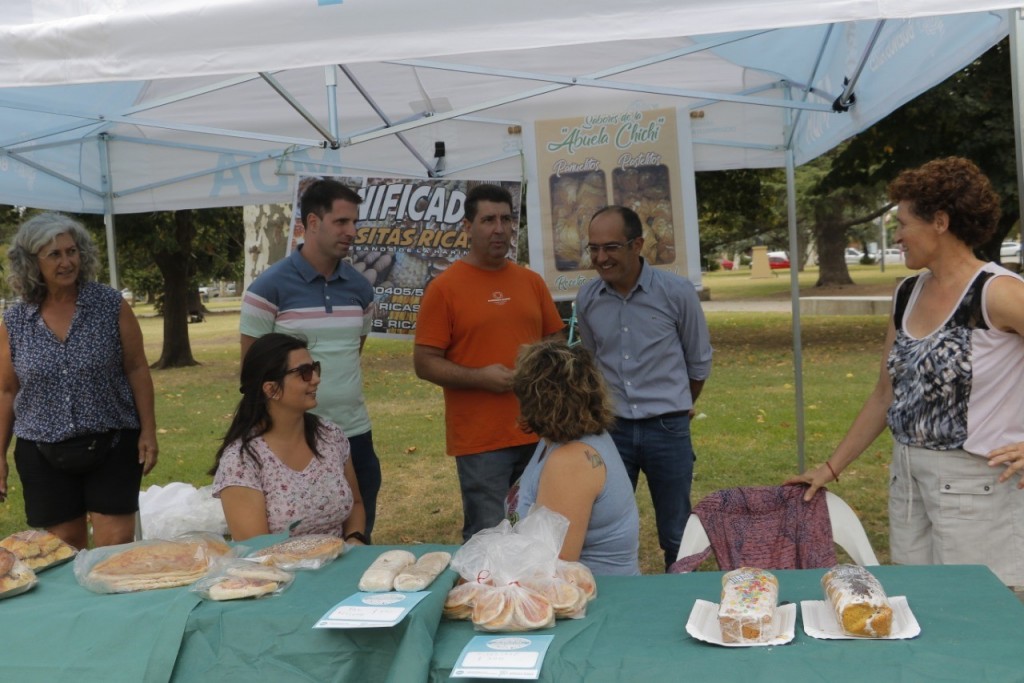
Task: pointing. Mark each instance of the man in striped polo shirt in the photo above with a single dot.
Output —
(316, 294)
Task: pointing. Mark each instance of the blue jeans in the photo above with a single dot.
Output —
(484, 480)
(661, 448)
(367, 467)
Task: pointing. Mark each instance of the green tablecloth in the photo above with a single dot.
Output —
(60, 631)
(274, 639)
(971, 630)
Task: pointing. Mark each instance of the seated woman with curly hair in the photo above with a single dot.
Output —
(576, 469)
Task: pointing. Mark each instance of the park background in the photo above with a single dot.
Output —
(745, 434)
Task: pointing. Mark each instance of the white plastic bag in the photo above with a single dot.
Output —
(169, 511)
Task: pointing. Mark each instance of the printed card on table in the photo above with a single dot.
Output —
(513, 656)
(370, 610)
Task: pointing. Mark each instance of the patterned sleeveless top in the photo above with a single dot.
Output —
(932, 377)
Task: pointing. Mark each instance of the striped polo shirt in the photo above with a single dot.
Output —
(332, 313)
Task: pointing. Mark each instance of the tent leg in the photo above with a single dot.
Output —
(108, 209)
(1017, 84)
(794, 288)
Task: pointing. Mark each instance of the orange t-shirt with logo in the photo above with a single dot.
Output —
(480, 317)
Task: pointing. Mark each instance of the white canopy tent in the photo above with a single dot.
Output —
(111, 106)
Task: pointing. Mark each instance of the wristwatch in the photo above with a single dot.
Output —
(359, 536)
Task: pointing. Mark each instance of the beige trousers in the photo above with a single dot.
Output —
(946, 507)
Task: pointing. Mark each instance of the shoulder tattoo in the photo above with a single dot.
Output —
(594, 457)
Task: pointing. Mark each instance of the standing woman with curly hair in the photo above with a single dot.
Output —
(576, 469)
(951, 386)
(75, 388)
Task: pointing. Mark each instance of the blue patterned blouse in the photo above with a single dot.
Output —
(73, 387)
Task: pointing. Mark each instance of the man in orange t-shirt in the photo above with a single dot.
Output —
(472, 321)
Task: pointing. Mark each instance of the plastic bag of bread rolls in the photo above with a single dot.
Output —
(858, 600)
(511, 608)
(380, 575)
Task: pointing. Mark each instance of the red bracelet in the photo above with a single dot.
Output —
(834, 475)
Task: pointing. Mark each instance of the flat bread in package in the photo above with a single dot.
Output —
(147, 565)
(38, 549)
(301, 552)
(235, 579)
(427, 568)
(15, 575)
(380, 575)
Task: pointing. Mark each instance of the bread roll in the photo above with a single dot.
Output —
(145, 565)
(247, 570)
(302, 552)
(749, 598)
(858, 600)
(568, 600)
(423, 573)
(236, 587)
(579, 575)
(512, 608)
(460, 600)
(380, 576)
(492, 610)
(38, 549)
(15, 575)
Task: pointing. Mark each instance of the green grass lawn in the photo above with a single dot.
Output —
(728, 285)
(745, 435)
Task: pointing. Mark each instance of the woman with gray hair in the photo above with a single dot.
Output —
(75, 388)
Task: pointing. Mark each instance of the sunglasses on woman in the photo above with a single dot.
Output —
(306, 370)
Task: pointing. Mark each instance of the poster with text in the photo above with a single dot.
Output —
(409, 231)
(630, 158)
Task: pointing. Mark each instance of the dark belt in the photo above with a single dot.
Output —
(674, 413)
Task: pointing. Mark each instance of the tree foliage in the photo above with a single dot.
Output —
(740, 208)
(970, 114)
(169, 254)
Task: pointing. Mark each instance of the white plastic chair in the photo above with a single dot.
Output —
(847, 532)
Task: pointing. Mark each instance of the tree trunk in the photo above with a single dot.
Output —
(173, 265)
(830, 234)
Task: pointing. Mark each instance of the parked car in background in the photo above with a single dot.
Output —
(893, 255)
(726, 264)
(778, 260)
(853, 255)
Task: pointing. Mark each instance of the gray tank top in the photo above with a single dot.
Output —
(613, 535)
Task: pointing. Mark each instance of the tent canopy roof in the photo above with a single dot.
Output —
(191, 104)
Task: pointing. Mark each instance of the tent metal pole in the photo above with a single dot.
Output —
(1017, 84)
(331, 78)
(846, 98)
(108, 208)
(302, 111)
(794, 288)
(365, 94)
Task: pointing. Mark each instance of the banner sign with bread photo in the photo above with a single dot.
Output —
(409, 231)
(636, 158)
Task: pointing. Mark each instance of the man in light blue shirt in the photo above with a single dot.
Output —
(647, 331)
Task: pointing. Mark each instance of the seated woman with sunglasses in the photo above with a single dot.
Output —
(281, 468)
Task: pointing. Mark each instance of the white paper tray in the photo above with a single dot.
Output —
(820, 621)
(703, 625)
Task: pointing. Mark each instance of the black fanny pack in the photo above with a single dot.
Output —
(79, 454)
